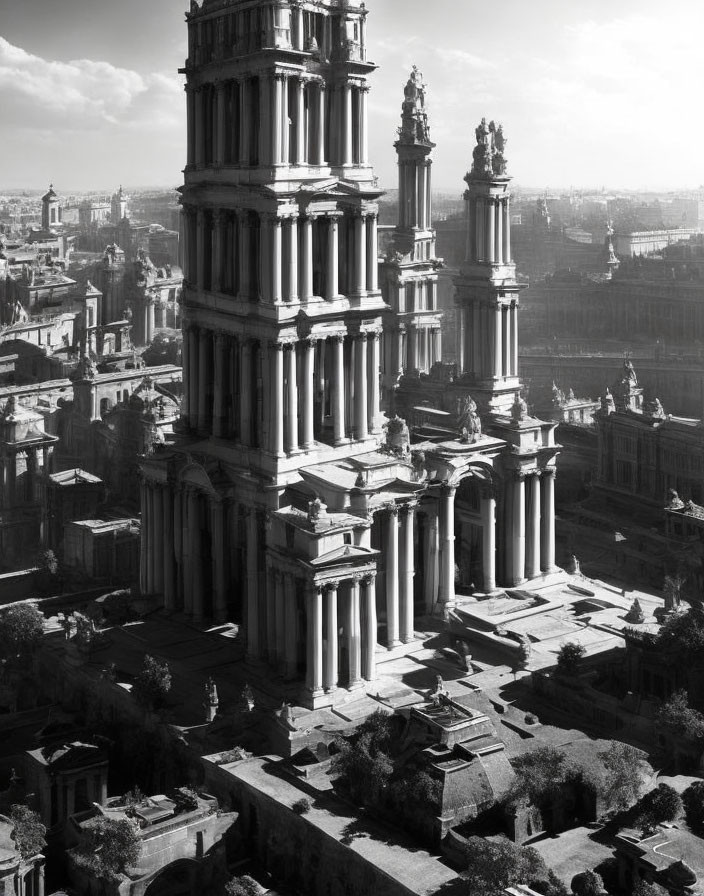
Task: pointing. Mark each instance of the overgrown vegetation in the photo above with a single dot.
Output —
(28, 832)
(492, 866)
(683, 634)
(658, 805)
(569, 659)
(109, 847)
(153, 684)
(680, 719)
(21, 629)
(693, 800)
(244, 885)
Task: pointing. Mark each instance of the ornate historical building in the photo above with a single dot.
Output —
(291, 504)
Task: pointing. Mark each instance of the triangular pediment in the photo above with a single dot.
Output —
(347, 553)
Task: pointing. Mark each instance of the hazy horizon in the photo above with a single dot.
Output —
(587, 95)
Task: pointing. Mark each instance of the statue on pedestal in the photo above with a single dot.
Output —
(468, 423)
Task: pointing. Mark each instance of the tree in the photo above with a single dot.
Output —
(643, 888)
(656, 806)
(242, 886)
(21, 629)
(153, 683)
(569, 659)
(109, 846)
(587, 883)
(28, 832)
(622, 781)
(683, 634)
(492, 866)
(693, 800)
(681, 719)
(540, 775)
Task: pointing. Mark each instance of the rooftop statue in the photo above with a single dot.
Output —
(629, 374)
(468, 422)
(414, 118)
(398, 438)
(608, 405)
(86, 369)
(488, 156)
(519, 411)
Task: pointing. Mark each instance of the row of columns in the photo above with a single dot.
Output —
(487, 340)
(419, 348)
(489, 229)
(172, 545)
(266, 394)
(415, 202)
(350, 602)
(279, 119)
(530, 531)
(271, 257)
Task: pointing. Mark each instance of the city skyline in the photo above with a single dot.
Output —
(581, 93)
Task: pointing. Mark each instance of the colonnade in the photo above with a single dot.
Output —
(29, 878)
(487, 339)
(282, 396)
(281, 258)
(530, 525)
(278, 119)
(488, 229)
(418, 348)
(415, 202)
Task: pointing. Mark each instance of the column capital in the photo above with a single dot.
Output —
(519, 475)
(276, 346)
(331, 586)
(310, 341)
(337, 338)
(393, 509)
(369, 579)
(548, 472)
(447, 490)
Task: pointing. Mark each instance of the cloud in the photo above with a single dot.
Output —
(80, 94)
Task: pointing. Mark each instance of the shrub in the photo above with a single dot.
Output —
(587, 883)
(540, 775)
(153, 683)
(109, 847)
(242, 886)
(569, 659)
(21, 629)
(683, 633)
(492, 866)
(656, 806)
(28, 832)
(300, 807)
(622, 780)
(693, 800)
(681, 719)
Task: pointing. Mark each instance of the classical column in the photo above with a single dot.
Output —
(306, 259)
(280, 609)
(244, 120)
(216, 253)
(244, 249)
(158, 540)
(292, 234)
(372, 254)
(491, 230)
(246, 392)
(308, 389)
(292, 396)
(500, 233)
(360, 387)
(275, 258)
(498, 360)
(479, 219)
(392, 583)
(363, 125)
(507, 232)
(370, 628)
(204, 348)
(332, 272)
(488, 511)
(291, 625)
(338, 389)
(506, 347)
(354, 634)
(407, 573)
(272, 574)
(219, 379)
(285, 125)
(533, 533)
(194, 529)
(320, 123)
(143, 538)
(220, 131)
(168, 549)
(446, 590)
(200, 129)
(252, 622)
(374, 369)
(360, 246)
(431, 556)
(514, 338)
(277, 398)
(347, 124)
(331, 654)
(518, 529)
(277, 143)
(191, 127)
(200, 249)
(547, 544)
(300, 122)
(314, 672)
(217, 534)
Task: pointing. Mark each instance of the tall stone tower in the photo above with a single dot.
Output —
(52, 212)
(412, 334)
(487, 291)
(118, 206)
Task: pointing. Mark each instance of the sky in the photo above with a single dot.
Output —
(591, 93)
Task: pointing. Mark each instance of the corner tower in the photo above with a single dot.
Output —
(412, 327)
(487, 291)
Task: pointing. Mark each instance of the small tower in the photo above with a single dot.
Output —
(410, 281)
(52, 213)
(487, 291)
(111, 281)
(118, 207)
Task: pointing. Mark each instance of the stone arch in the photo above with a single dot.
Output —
(196, 475)
(180, 878)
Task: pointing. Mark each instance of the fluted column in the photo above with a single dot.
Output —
(320, 124)
(314, 672)
(533, 533)
(360, 246)
(518, 529)
(244, 236)
(354, 634)
(292, 240)
(276, 147)
(277, 398)
(491, 230)
(292, 399)
(331, 662)
(499, 233)
(347, 124)
(191, 126)
(488, 511)
(217, 253)
(392, 582)
(407, 573)
(498, 342)
(370, 628)
(195, 536)
(363, 125)
(547, 546)
(308, 390)
(201, 260)
(217, 535)
(372, 254)
(300, 122)
(275, 258)
(446, 590)
(252, 623)
(219, 413)
(191, 366)
(374, 364)
(507, 232)
(338, 389)
(332, 267)
(360, 387)
(306, 259)
(244, 118)
(506, 347)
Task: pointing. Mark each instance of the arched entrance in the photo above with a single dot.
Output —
(178, 879)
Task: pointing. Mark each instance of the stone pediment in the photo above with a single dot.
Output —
(70, 756)
(347, 553)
